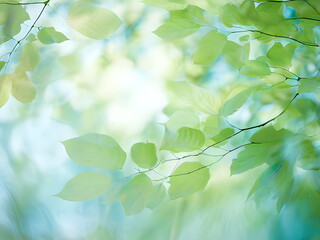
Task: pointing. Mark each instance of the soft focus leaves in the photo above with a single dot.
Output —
(176, 27)
(210, 47)
(95, 150)
(5, 89)
(188, 178)
(92, 22)
(157, 196)
(270, 134)
(234, 103)
(85, 186)
(185, 140)
(134, 196)
(144, 154)
(169, 5)
(22, 89)
(309, 85)
(49, 35)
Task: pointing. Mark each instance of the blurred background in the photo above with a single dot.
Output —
(120, 86)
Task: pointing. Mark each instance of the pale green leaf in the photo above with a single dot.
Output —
(233, 104)
(2, 64)
(157, 196)
(185, 140)
(182, 118)
(22, 88)
(256, 68)
(210, 48)
(49, 35)
(223, 134)
(188, 178)
(252, 156)
(269, 134)
(95, 150)
(29, 58)
(85, 186)
(177, 26)
(92, 22)
(279, 55)
(170, 5)
(134, 196)
(144, 154)
(309, 85)
(5, 89)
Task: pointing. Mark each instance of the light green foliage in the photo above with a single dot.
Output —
(29, 58)
(182, 119)
(256, 68)
(279, 55)
(11, 18)
(134, 195)
(22, 89)
(252, 156)
(223, 134)
(157, 196)
(210, 47)
(184, 140)
(235, 54)
(234, 103)
(92, 22)
(49, 35)
(170, 5)
(85, 186)
(95, 150)
(2, 64)
(269, 134)
(180, 25)
(309, 85)
(5, 89)
(269, 71)
(144, 154)
(188, 178)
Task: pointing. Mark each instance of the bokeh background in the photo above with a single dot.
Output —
(120, 86)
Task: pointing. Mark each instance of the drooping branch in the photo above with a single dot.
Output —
(15, 47)
(24, 3)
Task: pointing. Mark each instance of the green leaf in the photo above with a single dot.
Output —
(29, 58)
(85, 186)
(252, 156)
(5, 89)
(49, 35)
(188, 178)
(144, 154)
(308, 156)
(236, 102)
(309, 85)
(265, 178)
(92, 22)
(22, 88)
(170, 5)
(256, 68)
(281, 56)
(223, 134)
(182, 118)
(269, 134)
(95, 150)
(210, 48)
(185, 140)
(134, 196)
(2, 64)
(157, 196)
(177, 26)
(235, 54)
(11, 18)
